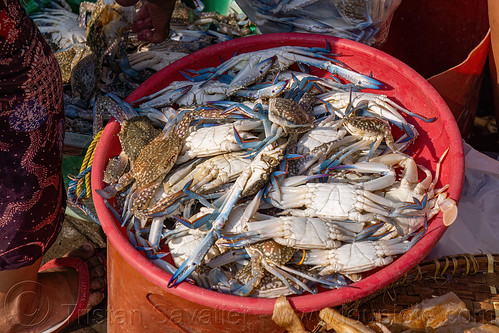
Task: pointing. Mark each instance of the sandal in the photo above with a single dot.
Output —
(83, 287)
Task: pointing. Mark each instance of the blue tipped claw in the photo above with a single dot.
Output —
(245, 144)
(196, 224)
(417, 236)
(194, 260)
(417, 205)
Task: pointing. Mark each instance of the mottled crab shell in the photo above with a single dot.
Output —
(107, 24)
(116, 167)
(268, 251)
(355, 10)
(368, 126)
(258, 179)
(271, 287)
(68, 59)
(65, 58)
(135, 134)
(183, 14)
(160, 152)
(289, 115)
(84, 77)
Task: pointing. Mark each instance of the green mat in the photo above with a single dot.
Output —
(33, 6)
(71, 166)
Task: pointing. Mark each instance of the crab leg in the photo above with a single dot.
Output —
(111, 103)
(298, 232)
(262, 90)
(155, 232)
(163, 97)
(256, 174)
(357, 257)
(355, 78)
(387, 178)
(254, 69)
(250, 73)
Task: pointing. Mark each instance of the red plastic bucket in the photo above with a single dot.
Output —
(404, 85)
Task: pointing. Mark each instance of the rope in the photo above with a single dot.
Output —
(79, 188)
(493, 289)
(437, 268)
(467, 265)
(473, 260)
(75, 200)
(447, 262)
(454, 262)
(419, 275)
(87, 161)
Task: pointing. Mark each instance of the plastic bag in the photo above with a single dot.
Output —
(476, 229)
(365, 21)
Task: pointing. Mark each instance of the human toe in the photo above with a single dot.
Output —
(95, 298)
(98, 283)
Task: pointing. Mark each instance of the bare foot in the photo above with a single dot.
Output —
(54, 295)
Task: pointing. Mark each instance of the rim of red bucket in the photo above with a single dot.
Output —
(301, 303)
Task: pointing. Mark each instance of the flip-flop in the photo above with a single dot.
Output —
(83, 287)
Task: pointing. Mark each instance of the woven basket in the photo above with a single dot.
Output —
(473, 278)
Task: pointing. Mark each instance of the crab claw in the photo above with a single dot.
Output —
(274, 136)
(448, 207)
(245, 144)
(263, 90)
(126, 67)
(219, 280)
(244, 290)
(367, 232)
(360, 80)
(198, 6)
(195, 78)
(250, 73)
(163, 97)
(196, 224)
(417, 236)
(240, 243)
(113, 210)
(417, 205)
(194, 259)
(387, 174)
(108, 192)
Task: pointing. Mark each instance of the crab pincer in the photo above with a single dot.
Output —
(248, 183)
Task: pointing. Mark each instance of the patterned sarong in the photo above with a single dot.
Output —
(32, 197)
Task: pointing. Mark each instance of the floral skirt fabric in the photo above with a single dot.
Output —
(32, 196)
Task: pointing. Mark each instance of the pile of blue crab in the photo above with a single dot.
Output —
(98, 54)
(364, 21)
(259, 178)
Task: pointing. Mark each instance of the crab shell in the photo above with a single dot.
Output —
(268, 251)
(290, 115)
(107, 24)
(135, 134)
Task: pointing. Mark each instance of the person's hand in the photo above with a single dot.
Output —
(153, 19)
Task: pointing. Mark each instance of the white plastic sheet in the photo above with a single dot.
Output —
(476, 229)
